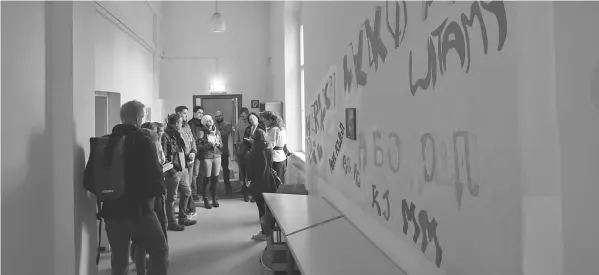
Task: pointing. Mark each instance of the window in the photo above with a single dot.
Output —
(302, 92)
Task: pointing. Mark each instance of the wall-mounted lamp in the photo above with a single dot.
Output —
(217, 86)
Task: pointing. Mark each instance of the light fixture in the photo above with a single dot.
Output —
(217, 85)
(217, 24)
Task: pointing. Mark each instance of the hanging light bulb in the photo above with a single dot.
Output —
(217, 24)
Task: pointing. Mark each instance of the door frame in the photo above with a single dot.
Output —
(224, 96)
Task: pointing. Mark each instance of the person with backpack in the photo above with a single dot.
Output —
(176, 178)
(124, 174)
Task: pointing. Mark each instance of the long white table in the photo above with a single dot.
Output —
(338, 248)
(294, 213)
(320, 241)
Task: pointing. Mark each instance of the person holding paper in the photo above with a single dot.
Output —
(210, 146)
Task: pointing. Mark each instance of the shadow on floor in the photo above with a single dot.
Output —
(219, 244)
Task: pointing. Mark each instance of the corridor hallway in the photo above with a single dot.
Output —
(219, 244)
(447, 137)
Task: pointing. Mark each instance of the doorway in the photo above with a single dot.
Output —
(107, 115)
(229, 105)
(107, 112)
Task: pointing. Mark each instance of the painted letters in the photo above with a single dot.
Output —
(378, 152)
(396, 33)
(429, 233)
(453, 35)
(362, 152)
(427, 140)
(462, 166)
(338, 144)
(395, 169)
(429, 228)
(375, 44)
(385, 213)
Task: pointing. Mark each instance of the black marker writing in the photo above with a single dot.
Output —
(429, 228)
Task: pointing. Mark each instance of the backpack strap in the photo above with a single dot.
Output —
(99, 217)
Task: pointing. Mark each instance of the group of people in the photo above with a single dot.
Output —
(185, 158)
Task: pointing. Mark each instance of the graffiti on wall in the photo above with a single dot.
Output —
(453, 35)
(449, 35)
(338, 144)
(319, 113)
(382, 150)
(423, 225)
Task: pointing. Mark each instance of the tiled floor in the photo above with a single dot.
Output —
(219, 244)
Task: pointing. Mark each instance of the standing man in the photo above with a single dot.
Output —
(176, 179)
(132, 215)
(225, 131)
(190, 154)
(242, 124)
(196, 130)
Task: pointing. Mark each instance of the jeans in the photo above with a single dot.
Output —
(261, 210)
(279, 167)
(242, 176)
(140, 249)
(224, 163)
(147, 232)
(191, 206)
(196, 178)
(177, 181)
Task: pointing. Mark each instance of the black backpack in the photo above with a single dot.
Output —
(104, 174)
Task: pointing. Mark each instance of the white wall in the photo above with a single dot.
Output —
(190, 51)
(23, 84)
(48, 50)
(479, 223)
(49, 74)
(125, 50)
(277, 50)
(577, 78)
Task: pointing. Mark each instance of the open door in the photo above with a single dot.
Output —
(229, 105)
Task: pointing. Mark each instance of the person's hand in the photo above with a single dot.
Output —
(192, 156)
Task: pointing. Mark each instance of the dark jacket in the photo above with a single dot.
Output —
(143, 176)
(196, 127)
(225, 129)
(207, 150)
(172, 143)
(258, 161)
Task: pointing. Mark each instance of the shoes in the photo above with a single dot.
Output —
(215, 203)
(187, 222)
(192, 214)
(173, 226)
(259, 237)
(207, 204)
(196, 198)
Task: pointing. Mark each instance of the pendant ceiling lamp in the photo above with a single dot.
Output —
(217, 24)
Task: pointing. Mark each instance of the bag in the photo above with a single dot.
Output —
(105, 174)
(286, 151)
(273, 181)
(108, 167)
